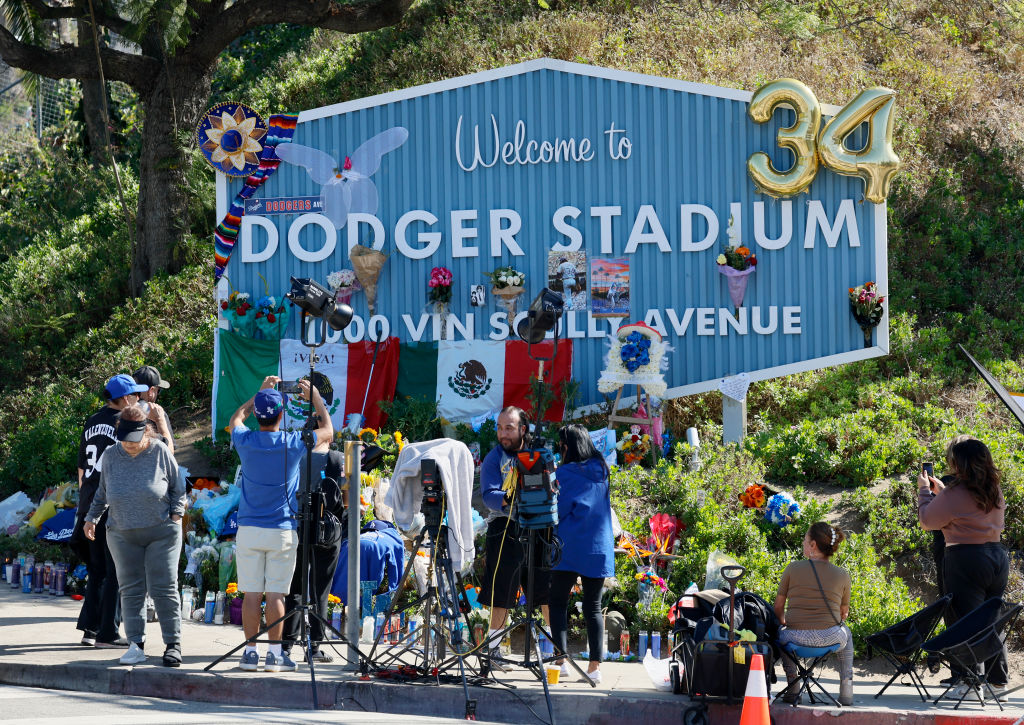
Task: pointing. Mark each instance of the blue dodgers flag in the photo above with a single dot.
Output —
(59, 527)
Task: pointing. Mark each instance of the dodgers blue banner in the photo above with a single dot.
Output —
(619, 190)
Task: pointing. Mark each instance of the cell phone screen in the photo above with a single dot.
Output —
(928, 468)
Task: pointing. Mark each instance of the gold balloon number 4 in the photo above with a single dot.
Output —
(876, 163)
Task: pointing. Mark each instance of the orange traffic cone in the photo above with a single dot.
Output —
(755, 699)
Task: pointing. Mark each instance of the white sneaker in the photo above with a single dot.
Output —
(961, 692)
(565, 671)
(133, 656)
(595, 677)
(1000, 692)
(494, 660)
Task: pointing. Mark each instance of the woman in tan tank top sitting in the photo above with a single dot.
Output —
(813, 604)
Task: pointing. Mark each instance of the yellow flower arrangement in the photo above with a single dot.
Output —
(371, 431)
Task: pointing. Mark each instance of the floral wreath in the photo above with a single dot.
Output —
(637, 356)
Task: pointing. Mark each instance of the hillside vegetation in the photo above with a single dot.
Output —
(956, 215)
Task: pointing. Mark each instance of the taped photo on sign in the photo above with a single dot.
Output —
(567, 274)
(609, 287)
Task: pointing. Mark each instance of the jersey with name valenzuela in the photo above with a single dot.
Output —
(97, 436)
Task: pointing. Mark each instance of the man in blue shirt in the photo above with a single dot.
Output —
(267, 539)
(505, 570)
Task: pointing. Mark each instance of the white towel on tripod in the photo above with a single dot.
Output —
(455, 466)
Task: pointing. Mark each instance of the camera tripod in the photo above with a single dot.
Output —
(444, 602)
(306, 515)
(533, 660)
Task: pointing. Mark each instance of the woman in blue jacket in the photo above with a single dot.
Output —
(585, 528)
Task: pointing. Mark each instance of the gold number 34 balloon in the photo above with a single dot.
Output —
(876, 163)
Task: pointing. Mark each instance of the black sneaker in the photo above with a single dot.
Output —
(119, 643)
(172, 655)
(88, 638)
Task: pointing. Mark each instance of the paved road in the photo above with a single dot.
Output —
(33, 706)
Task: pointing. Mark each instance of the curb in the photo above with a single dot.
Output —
(495, 704)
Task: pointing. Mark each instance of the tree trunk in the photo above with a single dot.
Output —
(92, 102)
(162, 216)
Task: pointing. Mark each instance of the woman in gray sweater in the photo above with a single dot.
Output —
(139, 482)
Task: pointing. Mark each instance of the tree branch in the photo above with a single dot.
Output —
(78, 11)
(217, 32)
(137, 71)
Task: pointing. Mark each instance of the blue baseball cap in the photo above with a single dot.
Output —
(122, 385)
(267, 404)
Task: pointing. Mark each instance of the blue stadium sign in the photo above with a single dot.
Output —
(646, 176)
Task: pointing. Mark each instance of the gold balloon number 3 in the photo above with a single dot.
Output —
(876, 163)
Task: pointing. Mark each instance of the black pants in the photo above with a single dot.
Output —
(322, 563)
(101, 605)
(975, 573)
(561, 587)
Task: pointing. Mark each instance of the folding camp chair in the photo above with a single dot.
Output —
(901, 643)
(805, 674)
(970, 642)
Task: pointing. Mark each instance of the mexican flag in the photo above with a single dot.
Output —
(470, 378)
(343, 373)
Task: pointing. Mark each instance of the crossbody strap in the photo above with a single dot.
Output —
(828, 605)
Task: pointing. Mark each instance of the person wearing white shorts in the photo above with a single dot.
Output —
(267, 540)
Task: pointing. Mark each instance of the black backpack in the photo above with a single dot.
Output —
(753, 613)
(327, 506)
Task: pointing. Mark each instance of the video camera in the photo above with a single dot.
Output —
(433, 495)
(538, 491)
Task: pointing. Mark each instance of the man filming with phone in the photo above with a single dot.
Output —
(267, 539)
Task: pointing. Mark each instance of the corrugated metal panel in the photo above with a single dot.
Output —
(686, 148)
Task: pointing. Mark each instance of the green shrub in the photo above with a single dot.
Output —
(706, 499)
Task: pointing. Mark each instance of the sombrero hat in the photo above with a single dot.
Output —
(230, 138)
(642, 328)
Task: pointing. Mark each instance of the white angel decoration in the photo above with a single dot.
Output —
(346, 187)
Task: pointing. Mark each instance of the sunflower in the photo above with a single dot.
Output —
(233, 140)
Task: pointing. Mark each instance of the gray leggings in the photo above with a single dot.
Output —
(839, 634)
(148, 559)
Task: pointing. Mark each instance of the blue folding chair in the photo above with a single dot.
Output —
(805, 674)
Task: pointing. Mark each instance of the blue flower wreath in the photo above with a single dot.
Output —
(636, 352)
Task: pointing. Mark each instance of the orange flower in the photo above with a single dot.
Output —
(743, 251)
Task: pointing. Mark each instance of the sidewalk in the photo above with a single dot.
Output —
(39, 647)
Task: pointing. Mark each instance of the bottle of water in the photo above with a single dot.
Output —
(187, 602)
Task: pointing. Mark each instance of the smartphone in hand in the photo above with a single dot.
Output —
(290, 387)
(928, 469)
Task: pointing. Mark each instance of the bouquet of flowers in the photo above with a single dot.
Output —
(270, 318)
(440, 285)
(634, 445)
(867, 308)
(507, 284)
(736, 264)
(236, 308)
(367, 264)
(753, 496)
(637, 356)
(344, 284)
(440, 296)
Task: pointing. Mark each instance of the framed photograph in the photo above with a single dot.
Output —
(477, 295)
(609, 287)
(567, 273)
